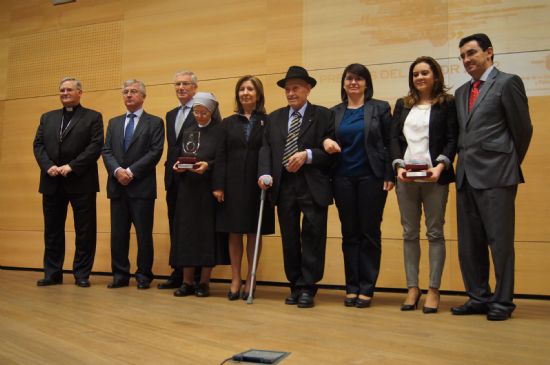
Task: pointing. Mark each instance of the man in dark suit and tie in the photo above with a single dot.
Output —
(177, 120)
(293, 161)
(494, 134)
(67, 145)
(133, 147)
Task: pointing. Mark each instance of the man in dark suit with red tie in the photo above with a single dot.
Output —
(133, 147)
(67, 145)
(293, 161)
(178, 120)
(494, 134)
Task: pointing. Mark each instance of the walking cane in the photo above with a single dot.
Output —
(250, 299)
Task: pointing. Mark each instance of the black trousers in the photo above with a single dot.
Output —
(303, 248)
(360, 202)
(171, 198)
(124, 212)
(486, 219)
(55, 207)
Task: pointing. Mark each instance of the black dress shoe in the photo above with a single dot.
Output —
(292, 299)
(142, 284)
(233, 296)
(169, 284)
(305, 300)
(350, 302)
(411, 307)
(185, 290)
(49, 281)
(118, 284)
(498, 315)
(363, 303)
(467, 309)
(202, 290)
(83, 283)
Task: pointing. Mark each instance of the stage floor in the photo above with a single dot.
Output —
(65, 325)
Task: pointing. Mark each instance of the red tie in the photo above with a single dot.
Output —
(473, 95)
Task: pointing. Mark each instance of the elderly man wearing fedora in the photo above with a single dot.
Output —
(294, 164)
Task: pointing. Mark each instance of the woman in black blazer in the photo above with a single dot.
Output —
(424, 131)
(235, 179)
(362, 177)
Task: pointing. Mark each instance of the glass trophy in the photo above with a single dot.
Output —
(417, 169)
(191, 142)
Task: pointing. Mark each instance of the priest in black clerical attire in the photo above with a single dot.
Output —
(67, 145)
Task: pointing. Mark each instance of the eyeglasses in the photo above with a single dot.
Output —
(184, 83)
(470, 53)
(354, 78)
(201, 114)
(130, 91)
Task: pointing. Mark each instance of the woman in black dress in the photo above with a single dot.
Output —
(194, 231)
(235, 179)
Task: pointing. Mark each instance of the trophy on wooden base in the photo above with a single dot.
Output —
(417, 170)
(191, 142)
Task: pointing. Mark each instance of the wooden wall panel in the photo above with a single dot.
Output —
(239, 38)
(532, 208)
(45, 56)
(4, 41)
(33, 16)
(222, 40)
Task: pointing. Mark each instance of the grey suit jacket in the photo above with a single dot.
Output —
(143, 154)
(494, 137)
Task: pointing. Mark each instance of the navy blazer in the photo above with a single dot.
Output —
(173, 143)
(377, 135)
(143, 154)
(442, 135)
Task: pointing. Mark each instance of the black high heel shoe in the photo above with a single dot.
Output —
(350, 302)
(429, 310)
(233, 296)
(411, 307)
(363, 303)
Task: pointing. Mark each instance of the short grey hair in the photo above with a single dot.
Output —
(190, 73)
(134, 81)
(76, 81)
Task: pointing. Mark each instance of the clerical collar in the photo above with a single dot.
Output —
(71, 108)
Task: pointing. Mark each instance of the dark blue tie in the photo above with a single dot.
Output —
(129, 132)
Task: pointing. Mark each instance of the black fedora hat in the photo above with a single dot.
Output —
(297, 72)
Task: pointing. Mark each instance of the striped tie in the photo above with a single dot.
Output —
(291, 146)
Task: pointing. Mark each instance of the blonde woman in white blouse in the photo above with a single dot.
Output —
(424, 131)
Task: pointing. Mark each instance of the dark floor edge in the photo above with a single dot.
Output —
(280, 284)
